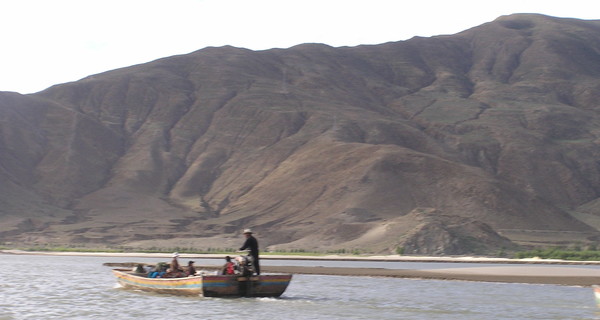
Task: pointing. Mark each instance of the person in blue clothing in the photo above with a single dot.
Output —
(159, 271)
(252, 244)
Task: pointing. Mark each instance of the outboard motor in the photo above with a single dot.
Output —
(245, 265)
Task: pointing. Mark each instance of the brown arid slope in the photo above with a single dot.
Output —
(468, 143)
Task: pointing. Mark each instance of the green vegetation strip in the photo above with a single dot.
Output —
(557, 253)
(574, 254)
(295, 252)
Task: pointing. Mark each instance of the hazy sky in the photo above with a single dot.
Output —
(47, 42)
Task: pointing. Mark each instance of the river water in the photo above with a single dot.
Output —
(80, 287)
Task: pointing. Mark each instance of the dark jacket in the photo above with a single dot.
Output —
(251, 244)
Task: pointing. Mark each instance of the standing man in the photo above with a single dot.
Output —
(252, 244)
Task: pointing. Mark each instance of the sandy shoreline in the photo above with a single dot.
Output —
(514, 274)
(520, 270)
(391, 258)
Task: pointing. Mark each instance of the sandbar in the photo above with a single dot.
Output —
(559, 272)
(570, 276)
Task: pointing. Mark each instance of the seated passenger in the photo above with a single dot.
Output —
(139, 269)
(175, 270)
(175, 264)
(229, 267)
(191, 270)
(160, 270)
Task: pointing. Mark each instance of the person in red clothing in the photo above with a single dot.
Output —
(229, 267)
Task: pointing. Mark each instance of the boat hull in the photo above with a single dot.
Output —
(597, 294)
(208, 285)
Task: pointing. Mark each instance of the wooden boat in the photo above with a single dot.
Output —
(207, 285)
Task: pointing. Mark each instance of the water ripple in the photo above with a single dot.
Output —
(81, 288)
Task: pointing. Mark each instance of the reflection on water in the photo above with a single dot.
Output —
(61, 287)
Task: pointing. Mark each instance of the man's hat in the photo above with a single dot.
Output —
(247, 231)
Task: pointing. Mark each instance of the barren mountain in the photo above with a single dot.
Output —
(468, 143)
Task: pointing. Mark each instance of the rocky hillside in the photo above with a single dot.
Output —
(468, 143)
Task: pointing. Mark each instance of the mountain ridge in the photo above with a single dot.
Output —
(441, 145)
